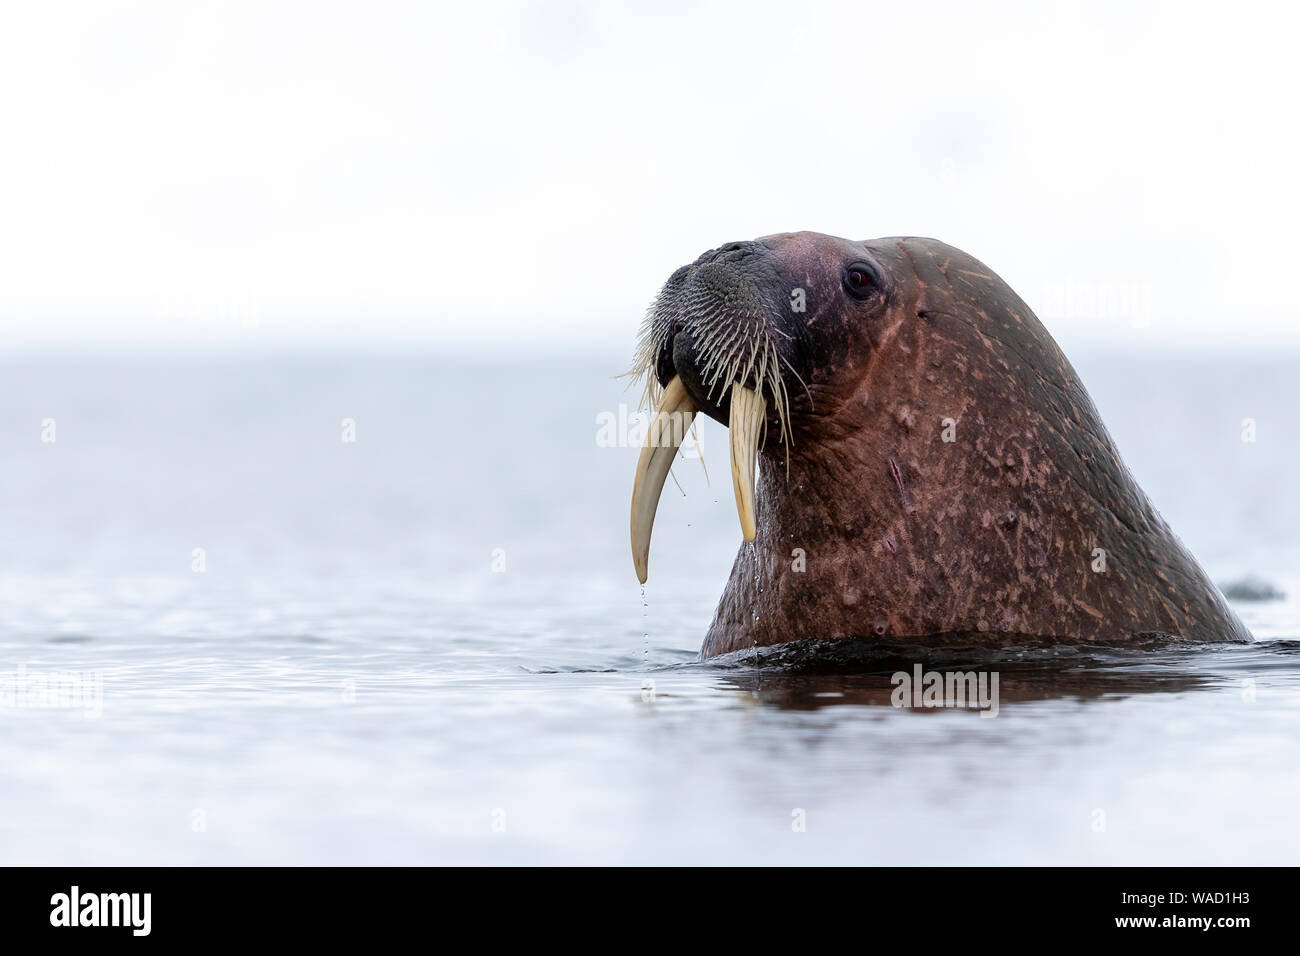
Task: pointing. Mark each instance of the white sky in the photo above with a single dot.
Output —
(180, 171)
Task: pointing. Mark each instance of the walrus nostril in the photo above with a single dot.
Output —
(732, 250)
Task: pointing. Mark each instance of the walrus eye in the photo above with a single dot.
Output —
(860, 281)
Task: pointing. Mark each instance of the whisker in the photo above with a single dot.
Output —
(733, 344)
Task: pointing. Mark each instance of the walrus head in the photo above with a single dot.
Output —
(932, 468)
(758, 336)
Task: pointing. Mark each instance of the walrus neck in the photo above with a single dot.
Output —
(893, 534)
(814, 542)
(801, 496)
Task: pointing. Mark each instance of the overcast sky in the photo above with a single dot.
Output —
(198, 171)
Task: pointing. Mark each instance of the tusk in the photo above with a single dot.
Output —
(668, 428)
(747, 412)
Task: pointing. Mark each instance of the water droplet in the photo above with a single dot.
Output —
(645, 624)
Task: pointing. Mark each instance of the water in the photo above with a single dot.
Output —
(428, 645)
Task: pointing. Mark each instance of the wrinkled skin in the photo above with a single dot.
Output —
(990, 538)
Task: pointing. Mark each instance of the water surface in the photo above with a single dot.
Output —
(427, 645)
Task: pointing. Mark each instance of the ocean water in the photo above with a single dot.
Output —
(272, 644)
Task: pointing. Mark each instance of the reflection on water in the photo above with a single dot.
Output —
(428, 645)
(873, 678)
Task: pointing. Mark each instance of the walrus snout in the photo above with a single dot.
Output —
(723, 320)
(718, 339)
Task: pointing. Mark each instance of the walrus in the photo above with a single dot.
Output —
(913, 458)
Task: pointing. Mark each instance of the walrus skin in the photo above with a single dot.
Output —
(1025, 528)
